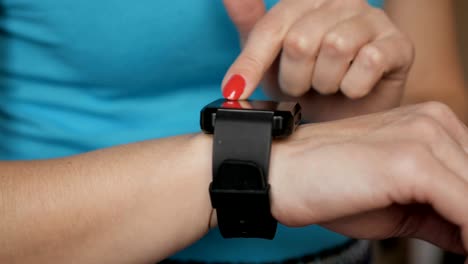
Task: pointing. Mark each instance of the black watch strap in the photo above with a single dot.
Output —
(240, 189)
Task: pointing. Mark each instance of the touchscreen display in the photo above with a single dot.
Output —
(254, 105)
(286, 115)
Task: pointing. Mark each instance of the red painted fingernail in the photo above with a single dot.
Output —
(234, 87)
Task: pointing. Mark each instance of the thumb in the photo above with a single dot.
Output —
(245, 14)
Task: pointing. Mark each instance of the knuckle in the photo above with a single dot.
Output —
(298, 45)
(337, 45)
(437, 110)
(426, 128)
(372, 57)
(409, 159)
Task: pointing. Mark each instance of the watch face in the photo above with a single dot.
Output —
(253, 105)
(286, 115)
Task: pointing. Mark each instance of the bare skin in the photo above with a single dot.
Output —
(139, 204)
(405, 169)
(125, 204)
(345, 58)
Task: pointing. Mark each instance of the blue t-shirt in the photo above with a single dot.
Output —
(81, 75)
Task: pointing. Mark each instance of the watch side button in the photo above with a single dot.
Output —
(213, 119)
(277, 123)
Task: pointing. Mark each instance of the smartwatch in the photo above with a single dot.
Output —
(243, 132)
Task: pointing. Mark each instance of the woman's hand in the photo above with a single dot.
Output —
(398, 173)
(338, 58)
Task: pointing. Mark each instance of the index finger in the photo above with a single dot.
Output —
(261, 49)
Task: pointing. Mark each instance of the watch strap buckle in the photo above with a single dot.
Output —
(244, 213)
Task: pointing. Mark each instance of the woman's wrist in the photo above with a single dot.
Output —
(203, 147)
(281, 176)
(203, 144)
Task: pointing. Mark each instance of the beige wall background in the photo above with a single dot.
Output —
(462, 26)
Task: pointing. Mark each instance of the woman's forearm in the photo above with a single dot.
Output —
(130, 204)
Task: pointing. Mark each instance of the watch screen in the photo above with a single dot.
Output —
(254, 105)
(286, 115)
